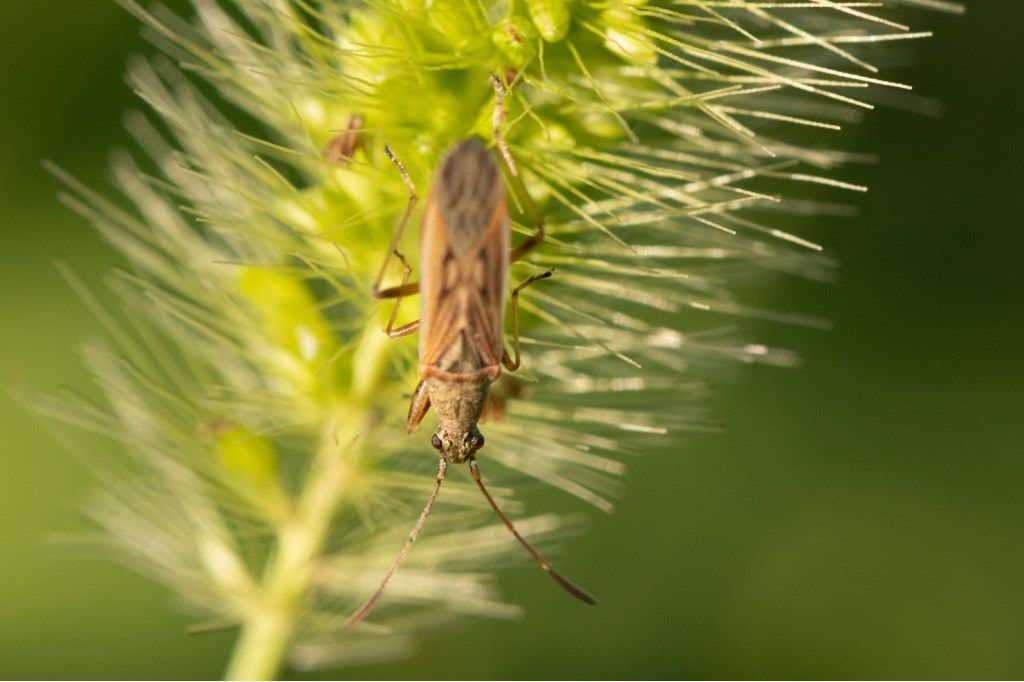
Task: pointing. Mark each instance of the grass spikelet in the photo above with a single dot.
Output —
(268, 479)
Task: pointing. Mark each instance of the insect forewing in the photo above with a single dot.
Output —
(464, 253)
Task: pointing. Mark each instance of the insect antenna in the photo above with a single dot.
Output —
(363, 612)
(541, 561)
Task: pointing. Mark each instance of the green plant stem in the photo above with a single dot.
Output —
(268, 629)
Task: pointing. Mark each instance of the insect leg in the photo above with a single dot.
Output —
(512, 363)
(418, 407)
(405, 329)
(564, 583)
(405, 288)
(363, 612)
(517, 181)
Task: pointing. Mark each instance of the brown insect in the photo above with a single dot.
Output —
(342, 147)
(465, 253)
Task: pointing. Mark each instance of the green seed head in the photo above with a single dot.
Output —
(255, 406)
(551, 17)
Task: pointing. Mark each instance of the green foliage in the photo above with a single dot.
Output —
(248, 378)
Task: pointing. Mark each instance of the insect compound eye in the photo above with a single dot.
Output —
(435, 441)
(478, 442)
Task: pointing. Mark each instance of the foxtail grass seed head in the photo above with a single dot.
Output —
(269, 480)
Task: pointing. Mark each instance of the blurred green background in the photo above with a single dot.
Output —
(862, 516)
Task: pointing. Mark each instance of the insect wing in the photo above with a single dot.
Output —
(464, 251)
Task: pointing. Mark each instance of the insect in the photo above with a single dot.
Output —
(342, 147)
(465, 252)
